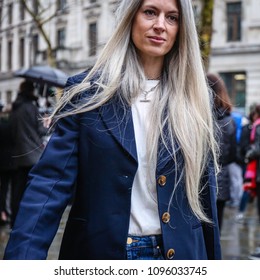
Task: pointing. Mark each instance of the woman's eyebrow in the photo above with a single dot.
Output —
(150, 6)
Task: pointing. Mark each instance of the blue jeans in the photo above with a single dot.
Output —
(144, 247)
(244, 201)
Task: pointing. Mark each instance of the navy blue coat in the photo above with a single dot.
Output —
(98, 154)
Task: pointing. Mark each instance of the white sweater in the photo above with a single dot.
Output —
(144, 218)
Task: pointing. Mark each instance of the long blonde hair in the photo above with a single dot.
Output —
(182, 106)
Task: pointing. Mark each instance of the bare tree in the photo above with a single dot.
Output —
(205, 30)
(38, 15)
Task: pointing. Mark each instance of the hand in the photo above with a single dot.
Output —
(47, 122)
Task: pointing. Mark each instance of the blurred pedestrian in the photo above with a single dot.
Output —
(226, 138)
(253, 159)
(244, 145)
(27, 133)
(244, 142)
(253, 155)
(136, 134)
(6, 167)
(235, 168)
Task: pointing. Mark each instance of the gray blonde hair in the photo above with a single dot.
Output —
(182, 106)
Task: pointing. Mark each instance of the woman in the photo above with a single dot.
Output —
(136, 135)
(226, 138)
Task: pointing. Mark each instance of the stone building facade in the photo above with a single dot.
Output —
(80, 28)
(235, 53)
(77, 32)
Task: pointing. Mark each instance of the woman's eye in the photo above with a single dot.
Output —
(149, 12)
(173, 19)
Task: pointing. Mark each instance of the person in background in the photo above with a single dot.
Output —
(235, 168)
(244, 145)
(136, 135)
(226, 138)
(253, 155)
(6, 166)
(27, 133)
(244, 142)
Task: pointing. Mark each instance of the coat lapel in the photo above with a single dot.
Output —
(166, 162)
(119, 122)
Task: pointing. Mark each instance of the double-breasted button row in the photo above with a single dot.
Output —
(166, 217)
(162, 180)
(170, 254)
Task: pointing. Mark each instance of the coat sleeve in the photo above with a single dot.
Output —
(211, 230)
(228, 143)
(48, 192)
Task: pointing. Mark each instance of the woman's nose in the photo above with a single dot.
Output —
(159, 23)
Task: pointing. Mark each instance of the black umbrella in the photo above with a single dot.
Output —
(44, 75)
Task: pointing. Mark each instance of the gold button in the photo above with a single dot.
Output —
(129, 240)
(170, 254)
(166, 217)
(162, 180)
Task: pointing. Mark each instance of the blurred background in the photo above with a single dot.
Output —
(68, 34)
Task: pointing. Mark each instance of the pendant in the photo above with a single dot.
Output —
(145, 100)
(145, 93)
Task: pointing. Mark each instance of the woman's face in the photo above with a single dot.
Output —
(155, 28)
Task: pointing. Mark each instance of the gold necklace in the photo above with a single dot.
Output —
(146, 92)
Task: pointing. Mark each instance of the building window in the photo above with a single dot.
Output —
(61, 37)
(8, 97)
(9, 55)
(236, 86)
(22, 10)
(21, 52)
(35, 48)
(36, 6)
(93, 1)
(0, 56)
(1, 14)
(10, 13)
(92, 39)
(234, 21)
(61, 4)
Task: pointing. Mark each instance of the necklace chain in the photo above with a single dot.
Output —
(146, 92)
(156, 78)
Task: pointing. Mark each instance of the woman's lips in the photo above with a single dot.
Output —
(156, 39)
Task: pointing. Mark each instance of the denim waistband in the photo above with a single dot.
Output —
(144, 241)
(144, 247)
